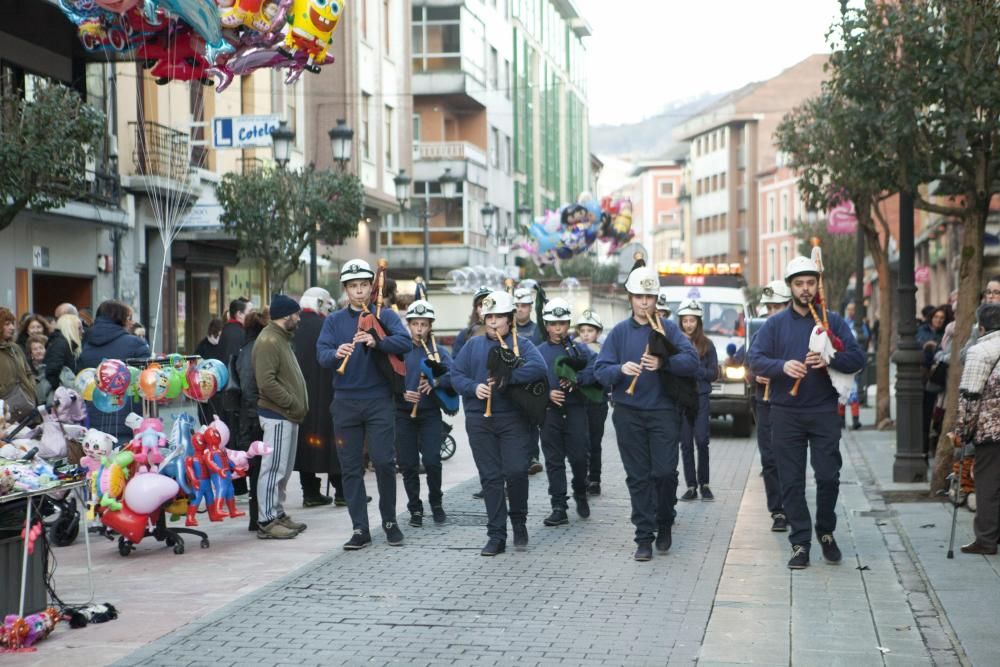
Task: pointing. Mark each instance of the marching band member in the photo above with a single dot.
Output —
(363, 399)
(804, 417)
(565, 432)
(418, 415)
(696, 431)
(647, 421)
(499, 434)
(588, 329)
(662, 306)
(475, 321)
(775, 298)
(524, 301)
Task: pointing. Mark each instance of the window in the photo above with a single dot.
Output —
(722, 180)
(713, 141)
(722, 138)
(390, 139)
(386, 26)
(666, 188)
(493, 69)
(494, 148)
(366, 146)
(697, 187)
(363, 12)
(770, 263)
(784, 255)
(506, 79)
(416, 128)
(715, 182)
(508, 155)
(436, 39)
(664, 218)
(784, 211)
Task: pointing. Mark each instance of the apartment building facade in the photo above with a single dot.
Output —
(658, 209)
(779, 211)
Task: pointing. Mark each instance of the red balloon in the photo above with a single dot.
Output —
(113, 377)
(126, 522)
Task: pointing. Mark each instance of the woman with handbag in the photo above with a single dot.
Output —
(17, 388)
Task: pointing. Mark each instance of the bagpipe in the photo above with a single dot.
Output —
(532, 398)
(391, 366)
(569, 365)
(431, 368)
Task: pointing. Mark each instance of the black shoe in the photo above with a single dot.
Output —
(690, 494)
(493, 547)
(779, 523)
(831, 552)
(535, 467)
(557, 518)
(339, 501)
(438, 512)
(393, 535)
(359, 540)
(857, 425)
(582, 506)
(664, 539)
(843, 422)
(521, 537)
(594, 489)
(478, 495)
(800, 558)
(416, 519)
(644, 552)
(316, 501)
(706, 493)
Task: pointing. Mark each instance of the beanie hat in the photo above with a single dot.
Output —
(282, 306)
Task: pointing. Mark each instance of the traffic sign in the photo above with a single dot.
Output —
(243, 131)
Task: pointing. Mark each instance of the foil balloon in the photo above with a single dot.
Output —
(127, 522)
(153, 383)
(117, 6)
(105, 402)
(202, 16)
(311, 27)
(86, 382)
(217, 369)
(113, 377)
(147, 491)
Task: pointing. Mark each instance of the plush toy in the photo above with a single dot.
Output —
(146, 445)
(240, 461)
(96, 446)
(95, 613)
(18, 633)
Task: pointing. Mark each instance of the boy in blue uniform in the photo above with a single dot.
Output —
(588, 330)
(565, 432)
(695, 428)
(475, 327)
(498, 432)
(809, 420)
(418, 418)
(524, 303)
(647, 421)
(363, 401)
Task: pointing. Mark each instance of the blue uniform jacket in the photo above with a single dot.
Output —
(531, 331)
(708, 370)
(462, 337)
(469, 370)
(361, 379)
(784, 337)
(413, 359)
(551, 351)
(626, 342)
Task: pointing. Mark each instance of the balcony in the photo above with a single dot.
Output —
(449, 150)
(161, 157)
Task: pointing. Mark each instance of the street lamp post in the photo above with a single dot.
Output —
(341, 143)
(281, 147)
(449, 188)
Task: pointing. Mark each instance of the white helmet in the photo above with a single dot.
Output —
(590, 318)
(557, 310)
(356, 269)
(498, 303)
(420, 309)
(524, 295)
(661, 300)
(690, 307)
(643, 280)
(776, 292)
(800, 266)
(316, 299)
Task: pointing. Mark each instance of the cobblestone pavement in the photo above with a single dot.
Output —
(575, 597)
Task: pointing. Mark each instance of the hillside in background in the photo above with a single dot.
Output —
(650, 138)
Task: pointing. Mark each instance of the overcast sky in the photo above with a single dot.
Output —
(645, 54)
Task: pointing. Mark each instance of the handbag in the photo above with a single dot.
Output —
(19, 402)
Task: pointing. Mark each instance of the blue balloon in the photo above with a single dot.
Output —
(202, 16)
(218, 369)
(105, 402)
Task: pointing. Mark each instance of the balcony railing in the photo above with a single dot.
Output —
(449, 150)
(161, 151)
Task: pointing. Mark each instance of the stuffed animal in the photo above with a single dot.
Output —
(95, 613)
(18, 633)
(96, 445)
(146, 445)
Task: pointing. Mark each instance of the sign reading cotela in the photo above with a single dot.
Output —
(243, 131)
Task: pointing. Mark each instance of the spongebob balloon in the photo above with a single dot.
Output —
(311, 27)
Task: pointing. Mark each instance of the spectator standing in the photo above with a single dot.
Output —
(209, 348)
(16, 385)
(63, 349)
(31, 325)
(36, 360)
(250, 429)
(231, 341)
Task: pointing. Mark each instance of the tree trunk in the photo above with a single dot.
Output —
(970, 279)
(879, 253)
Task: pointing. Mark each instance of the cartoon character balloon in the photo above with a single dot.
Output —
(113, 377)
(312, 23)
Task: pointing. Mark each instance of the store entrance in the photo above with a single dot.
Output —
(48, 291)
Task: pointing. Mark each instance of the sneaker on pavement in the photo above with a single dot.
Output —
(416, 519)
(970, 502)
(288, 522)
(439, 515)
(706, 493)
(493, 547)
(478, 495)
(276, 531)
(521, 537)
(557, 518)
(977, 548)
(643, 552)
(690, 494)
(535, 467)
(779, 523)
(856, 424)
(316, 501)
(339, 501)
(594, 489)
(800, 558)
(664, 539)
(582, 506)
(359, 540)
(831, 552)
(393, 535)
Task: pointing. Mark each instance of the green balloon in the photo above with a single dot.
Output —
(134, 375)
(174, 384)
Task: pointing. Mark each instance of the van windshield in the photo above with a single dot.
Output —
(721, 319)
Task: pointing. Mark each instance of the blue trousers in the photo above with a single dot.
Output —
(500, 446)
(768, 464)
(794, 433)
(419, 438)
(696, 435)
(358, 423)
(565, 437)
(647, 442)
(597, 415)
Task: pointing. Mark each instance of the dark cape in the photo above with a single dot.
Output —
(316, 451)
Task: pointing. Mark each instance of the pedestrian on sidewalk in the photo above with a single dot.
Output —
(588, 329)
(807, 422)
(282, 404)
(775, 298)
(862, 335)
(695, 427)
(231, 341)
(499, 433)
(316, 453)
(363, 402)
(978, 423)
(250, 429)
(647, 419)
(419, 426)
(565, 431)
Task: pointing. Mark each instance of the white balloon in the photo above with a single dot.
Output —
(147, 491)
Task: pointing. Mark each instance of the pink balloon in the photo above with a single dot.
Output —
(147, 491)
(117, 6)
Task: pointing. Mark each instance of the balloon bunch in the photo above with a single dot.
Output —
(108, 385)
(563, 234)
(195, 40)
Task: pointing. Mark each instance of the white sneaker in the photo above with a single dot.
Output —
(970, 502)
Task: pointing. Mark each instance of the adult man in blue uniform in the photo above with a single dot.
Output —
(524, 302)
(808, 421)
